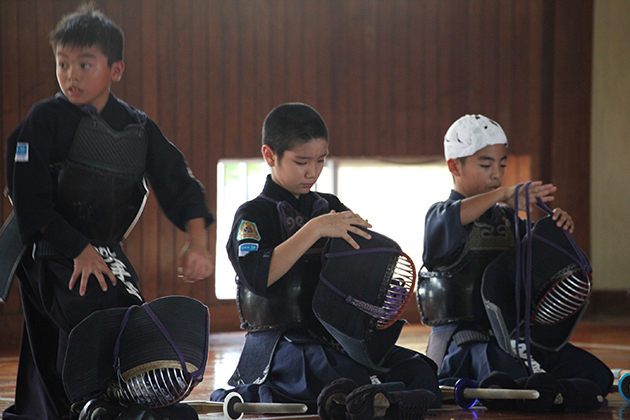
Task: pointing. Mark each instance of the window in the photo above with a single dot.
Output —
(393, 196)
(238, 181)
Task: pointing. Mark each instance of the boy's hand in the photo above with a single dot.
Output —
(338, 225)
(563, 220)
(536, 190)
(195, 263)
(89, 262)
(331, 225)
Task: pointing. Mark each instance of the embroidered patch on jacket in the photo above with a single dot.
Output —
(244, 249)
(21, 152)
(248, 230)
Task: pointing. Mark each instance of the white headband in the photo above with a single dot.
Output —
(471, 133)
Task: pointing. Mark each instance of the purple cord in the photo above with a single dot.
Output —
(372, 310)
(528, 277)
(523, 270)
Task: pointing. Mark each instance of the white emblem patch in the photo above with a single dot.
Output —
(21, 152)
(244, 249)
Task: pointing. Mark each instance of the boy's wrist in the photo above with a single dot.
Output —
(503, 195)
(196, 232)
(310, 232)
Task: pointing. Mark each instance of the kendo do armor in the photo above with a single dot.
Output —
(153, 354)
(362, 294)
(452, 294)
(289, 303)
(101, 188)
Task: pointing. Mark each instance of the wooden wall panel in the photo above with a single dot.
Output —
(389, 77)
(572, 64)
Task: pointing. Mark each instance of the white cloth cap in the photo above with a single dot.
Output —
(471, 133)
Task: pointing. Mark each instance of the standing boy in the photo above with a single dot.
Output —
(463, 235)
(275, 248)
(76, 169)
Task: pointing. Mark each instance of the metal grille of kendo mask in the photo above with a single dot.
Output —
(564, 298)
(399, 291)
(155, 388)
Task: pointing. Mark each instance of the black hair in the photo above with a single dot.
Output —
(290, 124)
(86, 27)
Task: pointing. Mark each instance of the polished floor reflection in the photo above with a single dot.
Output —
(608, 339)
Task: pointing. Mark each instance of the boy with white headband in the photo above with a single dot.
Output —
(462, 236)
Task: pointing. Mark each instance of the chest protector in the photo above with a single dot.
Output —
(288, 302)
(452, 294)
(101, 188)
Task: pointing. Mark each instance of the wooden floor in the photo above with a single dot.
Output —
(608, 339)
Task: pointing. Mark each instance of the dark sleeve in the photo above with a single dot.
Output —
(180, 195)
(444, 234)
(31, 184)
(255, 234)
(334, 202)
